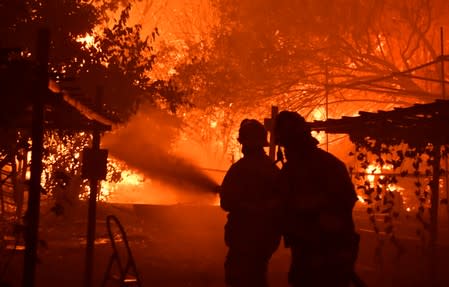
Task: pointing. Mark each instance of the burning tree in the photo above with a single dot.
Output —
(293, 53)
(308, 56)
(117, 58)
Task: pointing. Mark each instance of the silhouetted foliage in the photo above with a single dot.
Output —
(120, 62)
(66, 19)
(280, 49)
(387, 163)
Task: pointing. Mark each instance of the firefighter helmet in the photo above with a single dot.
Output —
(292, 128)
(252, 133)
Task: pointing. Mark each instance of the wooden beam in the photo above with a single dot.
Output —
(32, 216)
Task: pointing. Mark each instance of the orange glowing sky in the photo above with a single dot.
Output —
(179, 24)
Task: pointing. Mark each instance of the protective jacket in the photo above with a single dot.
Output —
(253, 229)
(318, 225)
(250, 197)
(318, 195)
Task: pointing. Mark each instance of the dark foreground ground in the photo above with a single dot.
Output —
(183, 246)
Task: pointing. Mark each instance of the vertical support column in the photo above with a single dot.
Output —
(92, 205)
(443, 96)
(32, 215)
(14, 175)
(327, 105)
(2, 200)
(21, 186)
(272, 151)
(443, 86)
(435, 203)
(435, 185)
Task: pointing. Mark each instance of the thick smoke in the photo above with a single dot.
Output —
(145, 144)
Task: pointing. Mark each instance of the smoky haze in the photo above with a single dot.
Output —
(145, 144)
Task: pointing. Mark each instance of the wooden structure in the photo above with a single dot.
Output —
(418, 126)
(62, 111)
(32, 104)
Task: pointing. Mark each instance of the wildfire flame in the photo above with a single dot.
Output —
(375, 170)
(88, 40)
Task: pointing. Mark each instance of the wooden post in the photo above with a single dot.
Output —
(269, 124)
(327, 105)
(443, 95)
(443, 86)
(274, 113)
(435, 203)
(435, 186)
(14, 181)
(21, 186)
(32, 215)
(92, 207)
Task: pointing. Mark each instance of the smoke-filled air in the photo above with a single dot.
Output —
(147, 144)
(167, 84)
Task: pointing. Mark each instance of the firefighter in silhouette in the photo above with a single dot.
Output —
(318, 201)
(248, 194)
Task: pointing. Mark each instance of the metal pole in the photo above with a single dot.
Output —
(92, 207)
(32, 215)
(327, 106)
(272, 150)
(443, 86)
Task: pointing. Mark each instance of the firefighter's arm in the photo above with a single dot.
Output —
(342, 189)
(230, 191)
(342, 195)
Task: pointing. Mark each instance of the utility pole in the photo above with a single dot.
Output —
(37, 135)
(94, 169)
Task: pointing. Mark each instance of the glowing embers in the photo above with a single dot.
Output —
(381, 188)
(130, 180)
(88, 40)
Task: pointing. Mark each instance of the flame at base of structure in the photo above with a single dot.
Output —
(133, 187)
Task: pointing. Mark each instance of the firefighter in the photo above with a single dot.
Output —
(248, 194)
(318, 201)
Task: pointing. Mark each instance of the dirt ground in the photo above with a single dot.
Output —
(180, 246)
